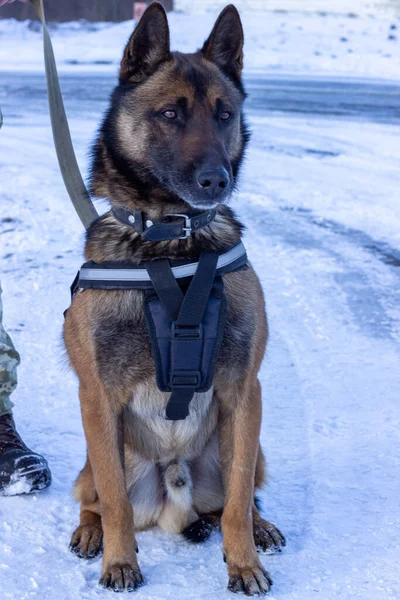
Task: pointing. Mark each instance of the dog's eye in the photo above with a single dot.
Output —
(170, 114)
(224, 116)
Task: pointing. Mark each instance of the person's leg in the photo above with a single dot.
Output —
(21, 470)
(9, 360)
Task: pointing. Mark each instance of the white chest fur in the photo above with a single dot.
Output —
(162, 439)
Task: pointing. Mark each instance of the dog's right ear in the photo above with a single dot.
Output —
(147, 47)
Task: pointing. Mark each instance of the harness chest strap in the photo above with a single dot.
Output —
(128, 276)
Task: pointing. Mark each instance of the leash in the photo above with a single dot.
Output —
(61, 134)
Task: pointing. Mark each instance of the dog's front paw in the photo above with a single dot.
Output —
(122, 578)
(252, 581)
(87, 541)
(267, 537)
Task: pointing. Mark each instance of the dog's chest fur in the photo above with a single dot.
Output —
(157, 438)
(124, 359)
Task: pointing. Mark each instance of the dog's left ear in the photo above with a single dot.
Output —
(147, 47)
(225, 44)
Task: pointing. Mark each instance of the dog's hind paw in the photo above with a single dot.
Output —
(122, 578)
(267, 537)
(198, 532)
(87, 541)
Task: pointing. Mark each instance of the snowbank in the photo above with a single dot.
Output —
(358, 45)
(332, 6)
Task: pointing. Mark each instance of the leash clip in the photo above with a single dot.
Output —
(187, 229)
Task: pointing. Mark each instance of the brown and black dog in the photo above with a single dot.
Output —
(172, 140)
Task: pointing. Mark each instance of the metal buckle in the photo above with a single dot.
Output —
(187, 229)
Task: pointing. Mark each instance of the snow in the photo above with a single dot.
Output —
(320, 201)
(18, 485)
(328, 169)
(352, 43)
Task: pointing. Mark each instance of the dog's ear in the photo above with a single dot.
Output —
(225, 44)
(147, 47)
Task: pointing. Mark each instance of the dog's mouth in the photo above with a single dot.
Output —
(203, 204)
(203, 197)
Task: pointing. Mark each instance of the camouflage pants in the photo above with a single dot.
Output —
(9, 360)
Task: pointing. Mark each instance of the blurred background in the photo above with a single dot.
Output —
(104, 10)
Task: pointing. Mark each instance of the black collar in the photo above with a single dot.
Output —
(172, 227)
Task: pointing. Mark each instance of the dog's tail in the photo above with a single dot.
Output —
(178, 483)
(178, 510)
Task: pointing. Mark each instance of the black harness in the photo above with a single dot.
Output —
(184, 304)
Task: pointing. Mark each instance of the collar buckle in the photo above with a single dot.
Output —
(187, 229)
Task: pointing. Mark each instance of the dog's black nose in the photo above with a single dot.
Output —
(213, 181)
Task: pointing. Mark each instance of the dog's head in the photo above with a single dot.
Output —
(175, 124)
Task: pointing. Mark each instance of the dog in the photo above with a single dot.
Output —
(172, 140)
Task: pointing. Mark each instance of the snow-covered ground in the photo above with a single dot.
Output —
(358, 44)
(320, 200)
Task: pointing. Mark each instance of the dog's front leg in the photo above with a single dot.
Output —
(101, 415)
(239, 431)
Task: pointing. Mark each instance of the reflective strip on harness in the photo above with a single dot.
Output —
(124, 274)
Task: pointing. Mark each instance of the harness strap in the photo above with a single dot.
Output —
(171, 227)
(130, 276)
(186, 314)
(178, 404)
(166, 286)
(62, 138)
(198, 293)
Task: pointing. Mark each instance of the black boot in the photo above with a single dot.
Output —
(21, 470)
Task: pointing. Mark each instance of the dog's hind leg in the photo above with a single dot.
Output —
(87, 539)
(267, 536)
(208, 493)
